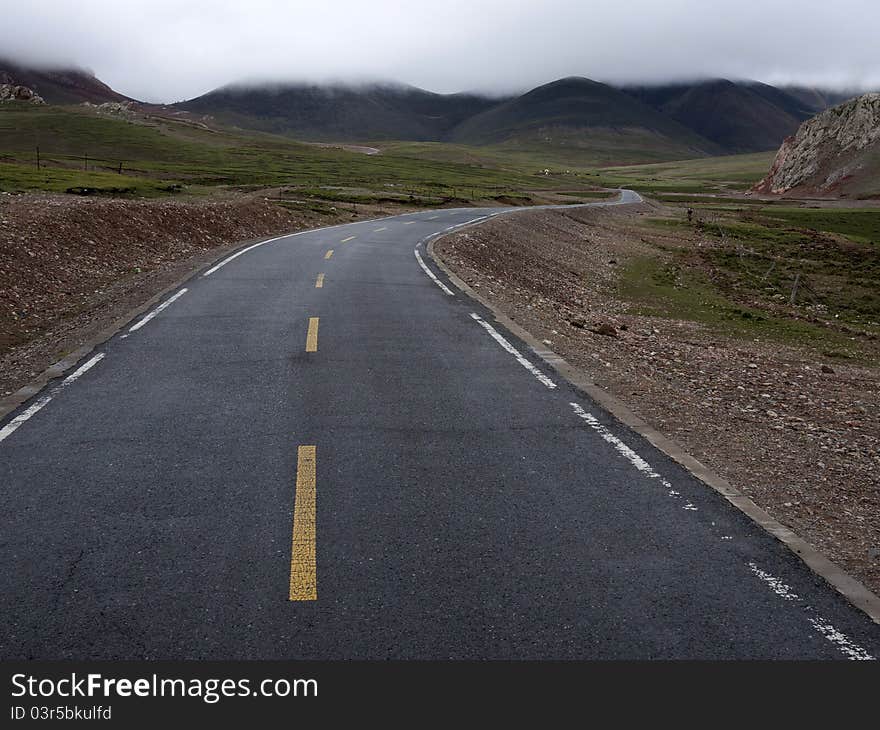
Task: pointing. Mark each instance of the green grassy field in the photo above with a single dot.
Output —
(81, 149)
(716, 175)
(773, 273)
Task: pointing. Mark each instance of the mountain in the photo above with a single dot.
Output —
(817, 99)
(739, 117)
(836, 153)
(570, 116)
(59, 85)
(567, 122)
(575, 111)
(340, 112)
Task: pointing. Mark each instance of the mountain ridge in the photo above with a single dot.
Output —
(574, 116)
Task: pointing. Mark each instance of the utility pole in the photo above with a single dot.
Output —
(120, 167)
(795, 288)
(38, 157)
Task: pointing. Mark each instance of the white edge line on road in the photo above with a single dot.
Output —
(82, 369)
(164, 305)
(841, 641)
(513, 351)
(850, 649)
(243, 251)
(430, 273)
(13, 425)
(637, 461)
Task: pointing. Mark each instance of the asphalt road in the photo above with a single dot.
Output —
(460, 500)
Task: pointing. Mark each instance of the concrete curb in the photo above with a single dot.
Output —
(851, 589)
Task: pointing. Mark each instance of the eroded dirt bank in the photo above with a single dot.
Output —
(798, 433)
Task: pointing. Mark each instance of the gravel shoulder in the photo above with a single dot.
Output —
(796, 432)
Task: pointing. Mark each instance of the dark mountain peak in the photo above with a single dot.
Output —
(574, 110)
(740, 116)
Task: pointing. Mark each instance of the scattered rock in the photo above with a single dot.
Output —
(828, 369)
(15, 92)
(606, 329)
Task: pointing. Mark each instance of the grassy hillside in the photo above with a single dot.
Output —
(79, 148)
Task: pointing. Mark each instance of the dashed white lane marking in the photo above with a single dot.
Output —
(783, 590)
(637, 461)
(409, 223)
(13, 425)
(378, 230)
(432, 218)
(430, 273)
(850, 649)
(841, 641)
(513, 351)
(164, 305)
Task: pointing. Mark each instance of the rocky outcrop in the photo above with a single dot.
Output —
(113, 108)
(16, 92)
(831, 153)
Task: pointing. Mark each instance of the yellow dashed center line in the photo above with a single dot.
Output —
(350, 238)
(328, 254)
(312, 336)
(319, 284)
(303, 570)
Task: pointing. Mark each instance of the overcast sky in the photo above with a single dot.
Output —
(168, 50)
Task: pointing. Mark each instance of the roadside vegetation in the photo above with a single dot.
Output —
(796, 276)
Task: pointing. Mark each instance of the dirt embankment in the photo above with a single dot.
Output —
(69, 267)
(798, 436)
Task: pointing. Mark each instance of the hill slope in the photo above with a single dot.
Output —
(817, 99)
(739, 117)
(59, 86)
(835, 153)
(578, 112)
(339, 112)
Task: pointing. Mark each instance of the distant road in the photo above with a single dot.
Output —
(348, 147)
(320, 448)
